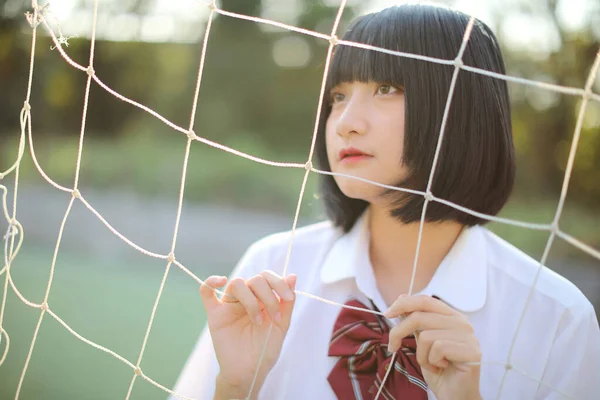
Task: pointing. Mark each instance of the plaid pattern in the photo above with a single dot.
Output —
(360, 340)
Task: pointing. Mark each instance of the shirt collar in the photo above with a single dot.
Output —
(460, 280)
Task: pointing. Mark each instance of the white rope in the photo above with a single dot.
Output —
(428, 195)
(69, 207)
(12, 246)
(559, 209)
(180, 203)
(117, 233)
(332, 44)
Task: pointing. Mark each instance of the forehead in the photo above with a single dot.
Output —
(353, 64)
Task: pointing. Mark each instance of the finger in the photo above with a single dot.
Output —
(455, 352)
(423, 350)
(208, 293)
(409, 304)
(278, 284)
(419, 321)
(263, 291)
(425, 341)
(288, 306)
(238, 288)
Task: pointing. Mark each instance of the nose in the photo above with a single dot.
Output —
(353, 119)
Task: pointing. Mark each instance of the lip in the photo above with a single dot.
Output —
(352, 154)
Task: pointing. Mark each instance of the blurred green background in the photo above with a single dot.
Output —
(258, 95)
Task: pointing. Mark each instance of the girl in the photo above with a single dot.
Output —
(381, 122)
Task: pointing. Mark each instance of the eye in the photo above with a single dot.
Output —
(386, 89)
(336, 97)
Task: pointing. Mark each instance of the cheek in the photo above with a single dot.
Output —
(329, 138)
(396, 136)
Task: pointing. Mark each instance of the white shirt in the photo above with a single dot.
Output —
(482, 276)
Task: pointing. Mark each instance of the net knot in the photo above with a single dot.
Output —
(138, 371)
(35, 18)
(334, 40)
(587, 95)
(429, 196)
(76, 193)
(212, 5)
(508, 367)
(458, 62)
(13, 229)
(171, 257)
(26, 106)
(90, 71)
(554, 228)
(308, 166)
(192, 135)
(44, 306)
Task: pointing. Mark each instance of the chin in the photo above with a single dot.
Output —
(358, 190)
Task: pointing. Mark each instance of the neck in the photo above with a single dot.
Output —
(392, 250)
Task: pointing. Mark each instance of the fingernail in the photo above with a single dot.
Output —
(278, 317)
(258, 320)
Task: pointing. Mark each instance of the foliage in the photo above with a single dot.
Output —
(249, 102)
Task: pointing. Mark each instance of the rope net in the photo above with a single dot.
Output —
(13, 239)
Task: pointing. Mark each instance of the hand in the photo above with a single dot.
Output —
(445, 342)
(239, 323)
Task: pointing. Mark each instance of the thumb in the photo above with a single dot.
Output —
(288, 306)
(208, 293)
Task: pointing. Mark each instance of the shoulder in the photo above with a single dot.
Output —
(307, 243)
(521, 272)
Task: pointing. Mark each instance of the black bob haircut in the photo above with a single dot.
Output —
(476, 165)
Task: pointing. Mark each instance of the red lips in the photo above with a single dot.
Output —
(352, 152)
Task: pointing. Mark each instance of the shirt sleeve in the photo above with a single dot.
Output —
(573, 367)
(197, 379)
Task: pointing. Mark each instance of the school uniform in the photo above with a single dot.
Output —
(482, 276)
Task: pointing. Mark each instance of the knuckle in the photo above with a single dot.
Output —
(237, 283)
(466, 323)
(267, 273)
(437, 346)
(425, 337)
(255, 280)
(477, 354)
(236, 280)
(474, 345)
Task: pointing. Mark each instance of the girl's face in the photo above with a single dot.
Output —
(365, 136)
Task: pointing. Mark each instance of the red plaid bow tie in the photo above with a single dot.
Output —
(360, 339)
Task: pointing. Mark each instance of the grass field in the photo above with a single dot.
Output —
(109, 304)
